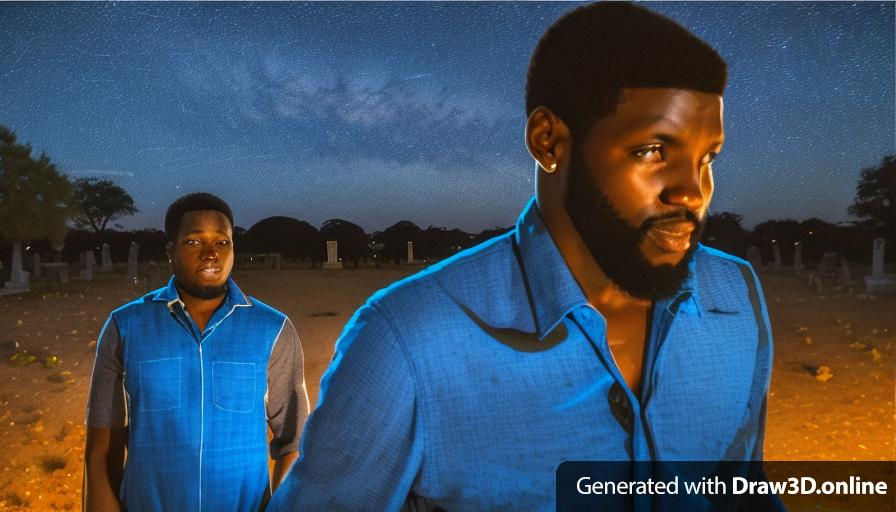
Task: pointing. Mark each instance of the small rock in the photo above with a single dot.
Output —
(823, 373)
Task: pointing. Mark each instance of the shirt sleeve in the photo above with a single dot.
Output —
(362, 447)
(107, 402)
(287, 398)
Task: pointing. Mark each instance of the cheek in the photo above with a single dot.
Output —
(707, 186)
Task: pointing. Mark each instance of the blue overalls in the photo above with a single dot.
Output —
(196, 403)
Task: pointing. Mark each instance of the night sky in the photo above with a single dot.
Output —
(380, 112)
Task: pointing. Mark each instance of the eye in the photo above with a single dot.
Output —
(191, 242)
(651, 153)
(223, 242)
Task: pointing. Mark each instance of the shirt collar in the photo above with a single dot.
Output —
(553, 290)
(235, 296)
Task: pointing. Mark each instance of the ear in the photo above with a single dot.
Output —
(548, 139)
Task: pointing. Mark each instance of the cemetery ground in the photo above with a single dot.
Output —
(843, 413)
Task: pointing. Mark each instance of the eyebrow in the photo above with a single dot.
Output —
(197, 231)
(672, 140)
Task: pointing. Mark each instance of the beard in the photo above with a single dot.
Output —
(202, 292)
(615, 245)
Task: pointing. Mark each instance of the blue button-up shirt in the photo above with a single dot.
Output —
(465, 386)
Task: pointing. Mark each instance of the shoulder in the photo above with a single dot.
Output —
(264, 312)
(487, 269)
(726, 282)
(138, 306)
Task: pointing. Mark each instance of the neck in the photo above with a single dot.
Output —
(200, 310)
(600, 290)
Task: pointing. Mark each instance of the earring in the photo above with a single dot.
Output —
(550, 168)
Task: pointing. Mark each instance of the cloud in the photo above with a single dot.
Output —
(370, 111)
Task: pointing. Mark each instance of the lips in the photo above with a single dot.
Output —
(210, 273)
(672, 235)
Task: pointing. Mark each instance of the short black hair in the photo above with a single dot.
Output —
(191, 203)
(589, 54)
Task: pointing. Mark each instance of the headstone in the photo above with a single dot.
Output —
(18, 279)
(877, 258)
(776, 254)
(845, 277)
(37, 270)
(133, 251)
(798, 257)
(410, 252)
(106, 257)
(332, 253)
(89, 266)
(828, 263)
(157, 276)
(277, 260)
(879, 281)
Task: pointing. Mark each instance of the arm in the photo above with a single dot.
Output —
(104, 466)
(362, 447)
(107, 431)
(759, 396)
(287, 403)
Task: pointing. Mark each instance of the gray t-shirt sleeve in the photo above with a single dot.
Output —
(106, 403)
(287, 398)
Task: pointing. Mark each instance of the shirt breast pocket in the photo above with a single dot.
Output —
(233, 386)
(160, 384)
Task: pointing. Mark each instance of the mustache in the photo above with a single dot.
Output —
(681, 216)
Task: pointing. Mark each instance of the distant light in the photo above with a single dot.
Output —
(810, 233)
(774, 241)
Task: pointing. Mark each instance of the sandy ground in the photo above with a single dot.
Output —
(849, 416)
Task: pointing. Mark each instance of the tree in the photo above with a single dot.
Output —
(35, 198)
(724, 231)
(875, 201)
(293, 238)
(396, 238)
(99, 202)
(352, 241)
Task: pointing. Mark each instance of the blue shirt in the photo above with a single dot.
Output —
(465, 386)
(197, 401)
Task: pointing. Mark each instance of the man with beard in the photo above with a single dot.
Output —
(599, 329)
(188, 378)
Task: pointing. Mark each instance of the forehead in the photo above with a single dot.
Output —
(204, 220)
(679, 111)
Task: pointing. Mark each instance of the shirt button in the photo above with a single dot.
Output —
(621, 407)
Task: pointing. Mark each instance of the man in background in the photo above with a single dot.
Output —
(188, 378)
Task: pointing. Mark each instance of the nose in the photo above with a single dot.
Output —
(688, 185)
(209, 252)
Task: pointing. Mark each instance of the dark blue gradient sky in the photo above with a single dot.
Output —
(379, 112)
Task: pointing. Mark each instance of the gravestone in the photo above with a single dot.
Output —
(157, 276)
(37, 270)
(18, 278)
(410, 252)
(133, 251)
(798, 257)
(879, 281)
(332, 253)
(89, 266)
(754, 257)
(877, 258)
(776, 254)
(106, 257)
(845, 276)
(277, 260)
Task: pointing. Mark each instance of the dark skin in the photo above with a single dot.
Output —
(201, 256)
(651, 157)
